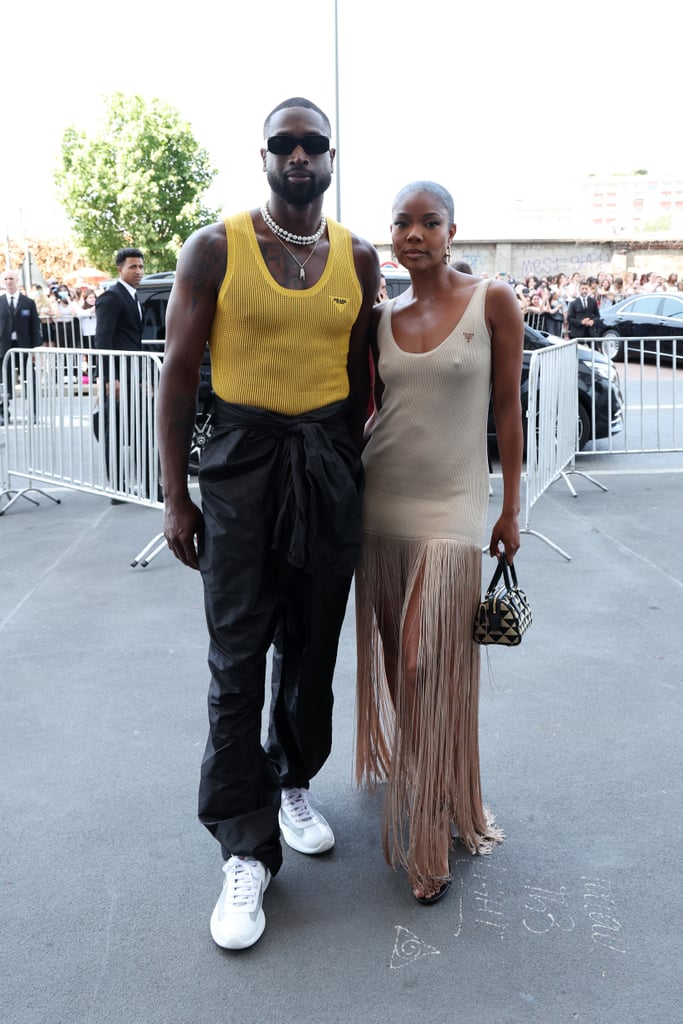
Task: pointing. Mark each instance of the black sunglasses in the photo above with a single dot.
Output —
(283, 145)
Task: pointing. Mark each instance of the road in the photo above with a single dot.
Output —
(108, 881)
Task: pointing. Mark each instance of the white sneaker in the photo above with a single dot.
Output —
(238, 920)
(303, 828)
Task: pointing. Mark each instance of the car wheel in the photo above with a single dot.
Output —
(612, 345)
(584, 427)
(203, 429)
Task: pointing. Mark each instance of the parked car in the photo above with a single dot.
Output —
(656, 317)
(397, 279)
(597, 384)
(153, 294)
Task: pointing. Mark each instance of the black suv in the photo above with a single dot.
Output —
(153, 292)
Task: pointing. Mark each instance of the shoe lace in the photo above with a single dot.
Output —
(242, 882)
(297, 805)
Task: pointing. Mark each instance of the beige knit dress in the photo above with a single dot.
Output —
(424, 517)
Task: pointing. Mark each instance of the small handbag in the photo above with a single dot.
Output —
(504, 615)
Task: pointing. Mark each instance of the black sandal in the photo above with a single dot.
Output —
(427, 901)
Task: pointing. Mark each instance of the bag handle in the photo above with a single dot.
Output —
(507, 571)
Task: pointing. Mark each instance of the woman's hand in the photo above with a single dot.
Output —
(505, 535)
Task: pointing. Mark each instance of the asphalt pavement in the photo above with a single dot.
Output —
(107, 880)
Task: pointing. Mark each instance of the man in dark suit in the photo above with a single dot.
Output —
(119, 317)
(119, 327)
(19, 328)
(583, 314)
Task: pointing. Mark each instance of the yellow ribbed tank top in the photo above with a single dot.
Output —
(279, 349)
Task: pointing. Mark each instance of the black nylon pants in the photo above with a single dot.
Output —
(255, 597)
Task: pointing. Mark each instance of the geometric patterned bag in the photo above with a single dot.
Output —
(504, 615)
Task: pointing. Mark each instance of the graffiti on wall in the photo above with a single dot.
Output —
(476, 261)
(585, 263)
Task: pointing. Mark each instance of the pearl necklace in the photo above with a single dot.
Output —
(288, 236)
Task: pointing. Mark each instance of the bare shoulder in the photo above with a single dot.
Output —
(501, 301)
(362, 249)
(367, 262)
(500, 290)
(203, 258)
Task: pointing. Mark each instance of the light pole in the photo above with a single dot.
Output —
(336, 110)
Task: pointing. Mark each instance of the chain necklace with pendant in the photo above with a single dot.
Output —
(302, 272)
(281, 234)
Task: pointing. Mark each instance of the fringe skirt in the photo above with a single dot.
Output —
(425, 744)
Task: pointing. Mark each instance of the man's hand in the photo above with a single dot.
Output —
(183, 526)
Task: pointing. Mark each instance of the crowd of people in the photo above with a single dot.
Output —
(67, 314)
(61, 317)
(545, 301)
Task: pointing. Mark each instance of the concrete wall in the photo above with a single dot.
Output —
(548, 258)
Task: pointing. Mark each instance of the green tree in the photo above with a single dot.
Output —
(138, 181)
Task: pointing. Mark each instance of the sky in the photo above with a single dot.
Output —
(497, 101)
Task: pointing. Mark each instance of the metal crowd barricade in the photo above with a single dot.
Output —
(534, 319)
(552, 427)
(652, 387)
(64, 331)
(80, 419)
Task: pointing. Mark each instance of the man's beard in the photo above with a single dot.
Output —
(300, 194)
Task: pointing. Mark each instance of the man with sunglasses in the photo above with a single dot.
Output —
(284, 297)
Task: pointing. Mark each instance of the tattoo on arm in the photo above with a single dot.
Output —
(207, 263)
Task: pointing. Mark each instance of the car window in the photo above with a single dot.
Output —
(396, 285)
(673, 307)
(154, 316)
(643, 305)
